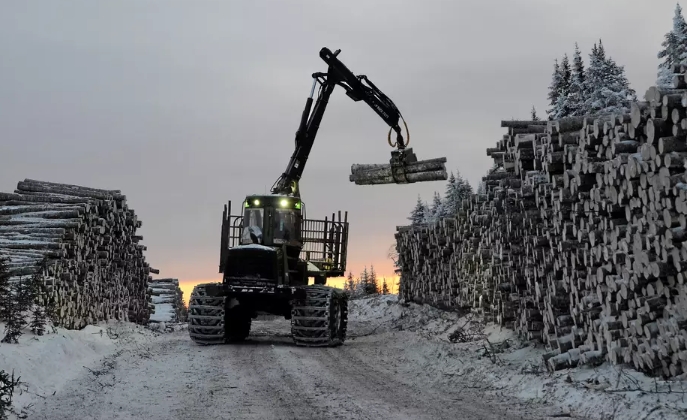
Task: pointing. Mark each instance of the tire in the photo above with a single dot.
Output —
(205, 317)
(321, 320)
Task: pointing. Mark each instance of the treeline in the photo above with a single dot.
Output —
(674, 50)
(457, 189)
(576, 90)
(602, 86)
(18, 310)
(366, 284)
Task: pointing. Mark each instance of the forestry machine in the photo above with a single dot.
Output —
(269, 252)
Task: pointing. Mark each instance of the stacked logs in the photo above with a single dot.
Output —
(401, 169)
(580, 240)
(83, 243)
(168, 300)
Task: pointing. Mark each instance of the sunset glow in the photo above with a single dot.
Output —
(392, 279)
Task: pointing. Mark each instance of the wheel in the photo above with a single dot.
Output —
(237, 322)
(205, 316)
(321, 319)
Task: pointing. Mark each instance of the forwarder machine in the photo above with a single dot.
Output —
(269, 252)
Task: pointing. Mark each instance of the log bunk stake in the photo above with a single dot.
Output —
(580, 241)
(168, 300)
(94, 267)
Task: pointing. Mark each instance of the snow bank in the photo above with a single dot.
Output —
(494, 360)
(46, 363)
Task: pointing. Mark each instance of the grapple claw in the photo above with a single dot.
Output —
(403, 168)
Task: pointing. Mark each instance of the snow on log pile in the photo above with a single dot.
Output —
(84, 242)
(168, 300)
(580, 240)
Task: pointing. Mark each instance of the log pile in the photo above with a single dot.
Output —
(580, 240)
(405, 169)
(83, 242)
(168, 300)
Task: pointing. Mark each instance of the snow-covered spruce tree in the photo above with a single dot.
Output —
(372, 284)
(576, 93)
(463, 187)
(674, 49)
(385, 287)
(451, 198)
(349, 284)
(533, 114)
(606, 86)
(436, 210)
(38, 320)
(419, 214)
(38, 315)
(361, 284)
(14, 317)
(554, 90)
(558, 89)
(7, 384)
(563, 102)
(5, 291)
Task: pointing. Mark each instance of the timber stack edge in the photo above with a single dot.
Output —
(580, 241)
(82, 242)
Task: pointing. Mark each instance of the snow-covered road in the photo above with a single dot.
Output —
(265, 378)
(398, 363)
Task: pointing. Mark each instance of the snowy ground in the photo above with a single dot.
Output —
(397, 364)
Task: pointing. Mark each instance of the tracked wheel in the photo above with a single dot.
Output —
(321, 319)
(205, 316)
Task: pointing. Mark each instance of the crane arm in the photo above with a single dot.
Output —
(357, 88)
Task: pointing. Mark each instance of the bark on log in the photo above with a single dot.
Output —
(580, 244)
(82, 242)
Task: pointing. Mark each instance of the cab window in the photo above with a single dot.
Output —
(285, 225)
(253, 217)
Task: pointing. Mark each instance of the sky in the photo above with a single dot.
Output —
(184, 105)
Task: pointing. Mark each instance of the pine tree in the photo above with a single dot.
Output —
(606, 87)
(674, 49)
(385, 288)
(13, 315)
(38, 320)
(554, 90)
(576, 94)
(5, 292)
(563, 101)
(533, 114)
(7, 385)
(463, 187)
(436, 210)
(349, 285)
(24, 295)
(451, 198)
(361, 286)
(372, 286)
(419, 213)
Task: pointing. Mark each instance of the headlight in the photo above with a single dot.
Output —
(284, 203)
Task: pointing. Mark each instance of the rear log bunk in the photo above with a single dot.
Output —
(84, 242)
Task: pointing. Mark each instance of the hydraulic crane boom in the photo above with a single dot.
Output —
(337, 74)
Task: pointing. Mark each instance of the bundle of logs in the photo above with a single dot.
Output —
(580, 240)
(405, 169)
(168, 300)
(82, 242)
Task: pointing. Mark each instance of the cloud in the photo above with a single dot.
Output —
(184, 105)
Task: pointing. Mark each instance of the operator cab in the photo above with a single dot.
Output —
(272, 220)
